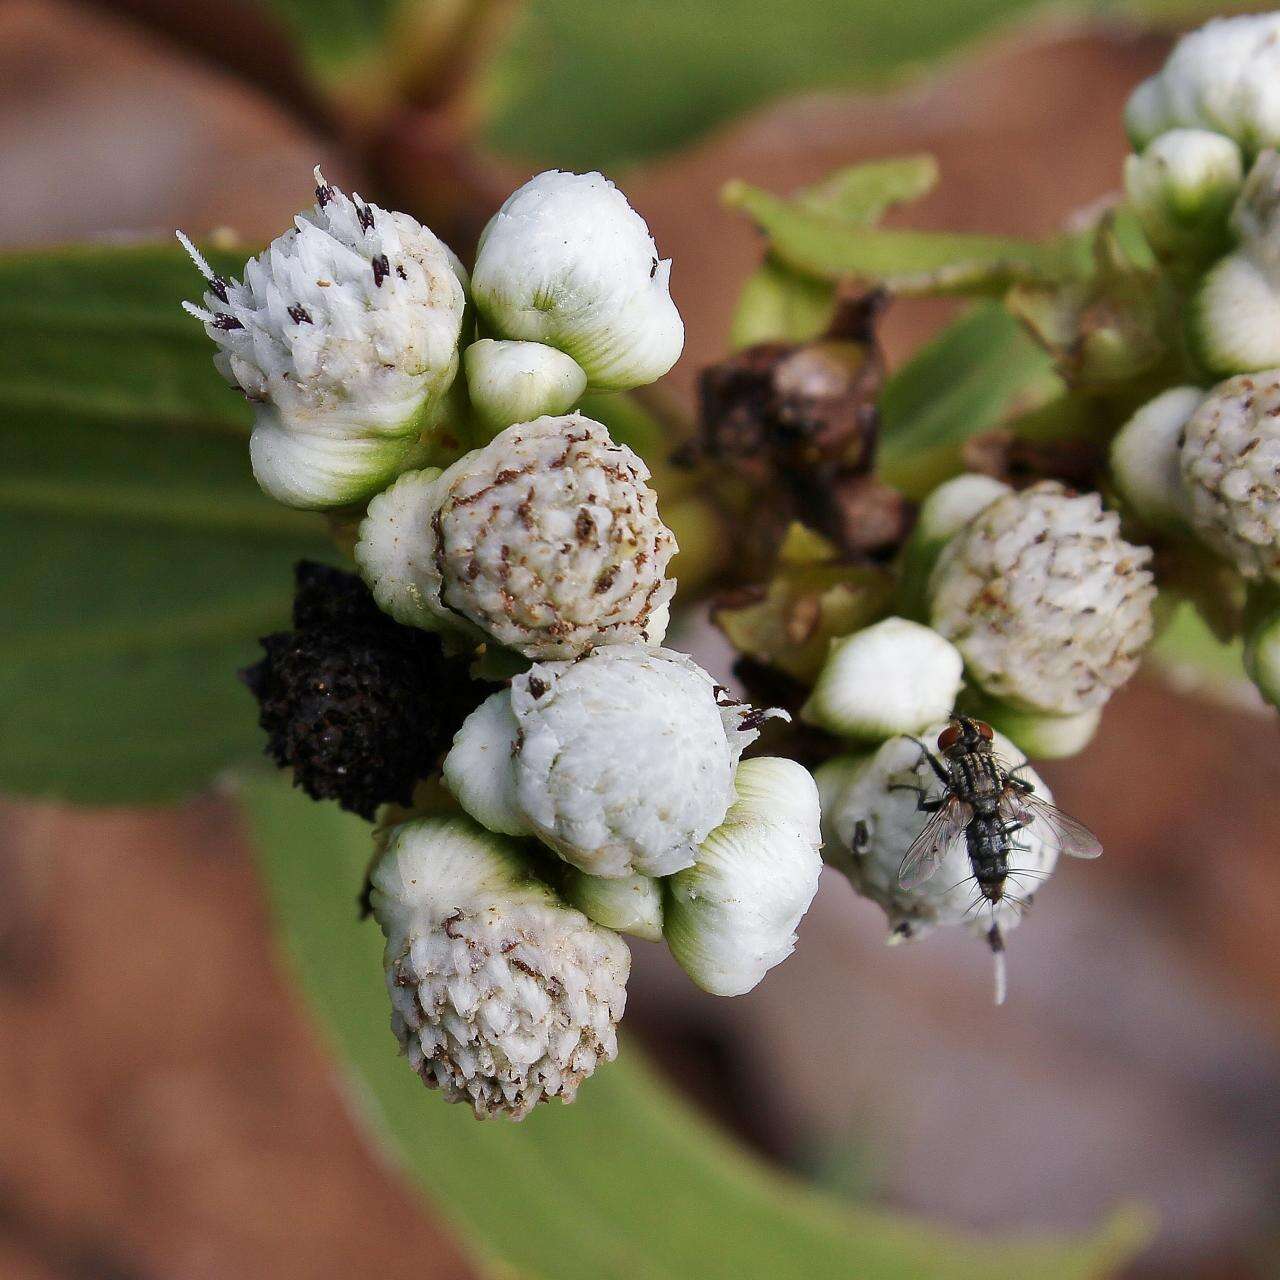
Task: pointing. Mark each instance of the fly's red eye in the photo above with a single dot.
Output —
(985, 730)
(949, 737)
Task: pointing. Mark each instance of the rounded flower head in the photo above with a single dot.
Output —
(548, 539)
(1225, 77)
(1048, 604)
(343, 334)
(732, 916)
(621, 761)
(502, 995)
(566, 261)
(1145, 457)
(1230, 465)
(518, 381)
(871, 826)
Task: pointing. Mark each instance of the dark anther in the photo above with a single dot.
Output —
(381, 268)
(537, 687)
(223, 321)
(218, 287)
(754, 719)
(324, 194)
(653, 270)
(400, 271)
(299, 315)
(365, 214)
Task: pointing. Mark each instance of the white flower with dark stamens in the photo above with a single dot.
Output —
(548, 539)
(1182, 188)
(733, 915)
(871, 827)
(502, 996)
(894, 677)
(343, 335)
(621, 761)
(1145, 457)
(566, 261)
(1050, 607)
(1231, 469)
(1225, 77)
(518, 381)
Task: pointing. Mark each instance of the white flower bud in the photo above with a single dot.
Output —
(893, 677)
(343, 335)
(1225, 77)
(1230, 465)
(1233, 320)
(547, 539)
(874, 826)
(1145, 458)
(1050, 607)
(568, 262)
(1046, 737)
(1255, 218)
(518, 381)
(732, 916)
(630, 904)
(1182, 188)
(502, 996)
(621, 761)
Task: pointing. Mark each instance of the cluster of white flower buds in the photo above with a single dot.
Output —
(599, 791)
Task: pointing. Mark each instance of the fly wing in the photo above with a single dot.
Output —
(1047, 823)
(930, 848)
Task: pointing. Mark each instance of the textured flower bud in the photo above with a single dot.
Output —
(1048, 604)
(568, 262)
(1145, 458)
(1233, 320)
(548, 539)
(1230, 465)
(732, 916)
(501, 995)
(893, 677)
(621, 761)
(1182, 188)
(1225, 77)
(518, 381)
(871, 826)
(343, 335)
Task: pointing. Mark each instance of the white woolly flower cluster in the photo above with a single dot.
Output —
(1048, 605)
(502, 995)
(343, 334)
(548, 539)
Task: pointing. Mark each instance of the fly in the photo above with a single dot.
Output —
(988, 805)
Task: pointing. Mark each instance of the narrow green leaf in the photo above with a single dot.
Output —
(628, 1182)
(830, 248)
(778, 304)
(862, 193)
(141, 560)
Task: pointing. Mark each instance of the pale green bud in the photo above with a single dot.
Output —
(1233, 322)
(1047, 737)
(893, 677)
(520, 381)
(732, 916)
(1145, 459)
(631, 904)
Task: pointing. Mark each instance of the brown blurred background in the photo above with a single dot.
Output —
(167, 1111)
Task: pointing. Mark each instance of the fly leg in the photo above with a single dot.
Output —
(934, 763)
(923, 803)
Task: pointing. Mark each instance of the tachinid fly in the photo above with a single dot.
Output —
(987, 804)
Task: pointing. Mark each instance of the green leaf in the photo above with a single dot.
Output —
(830, 247)
(862, 193)
(966, 381)
(629, 1181)
(1193, 660)
(141, 560)
(586, 83)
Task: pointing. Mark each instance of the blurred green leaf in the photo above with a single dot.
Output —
(967, 380)
(861, 194)
(141, 560)
(627, 1182)
(1193, 660)
(832, 247)
(589, 83)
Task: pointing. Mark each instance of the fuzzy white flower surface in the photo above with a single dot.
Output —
(1231, 469)
(1182, 188)
(1146, 457)
(343, 335)
(893, 677)
(502, 995)
(733, 915)
(1224, 77)
(1050, 607)
(548, 540)
(871, 827)
(621, 761)
(566, 261)
(513, 382)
